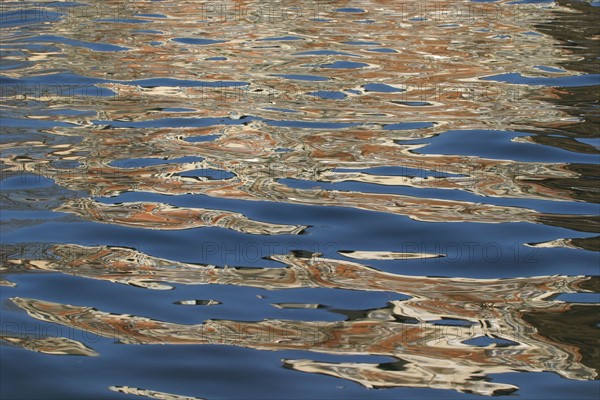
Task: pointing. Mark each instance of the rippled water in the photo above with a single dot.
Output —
(285, 199)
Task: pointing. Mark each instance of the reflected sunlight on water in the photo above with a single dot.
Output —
(378, 194)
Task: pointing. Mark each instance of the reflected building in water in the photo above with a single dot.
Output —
(451, 333)
(256, 111)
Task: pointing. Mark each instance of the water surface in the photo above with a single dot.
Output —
(284, 199)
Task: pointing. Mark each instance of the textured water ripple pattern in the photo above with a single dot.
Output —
(291, 200)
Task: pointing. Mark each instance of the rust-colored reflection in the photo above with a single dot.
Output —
(49, 345)
(261, 181)
(129, 266)
(164, 217)
(442, 351)
(429, 352)
(419, 63)
(408, 372)
(288, 105)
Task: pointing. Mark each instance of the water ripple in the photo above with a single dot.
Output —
(453, 145)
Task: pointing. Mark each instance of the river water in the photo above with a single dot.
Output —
(299, 200)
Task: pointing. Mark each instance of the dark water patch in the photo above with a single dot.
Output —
(26, 181)
(148, 31)
(344, 65)
(590, 298)
(499, 145)
(209, 173)
(383, 50)
(567, 81)
(98, 47)
(550, 69)
(151, 15)
(411, 103)
(32, 123)
(198, 41)
(328, 95)
(352, 10)
(124, 20)
(408, 125)
(485, 341)
(147, 162)
(177, 109)
(14, 15)
(285, 110)
(381, 87)
(203, 138)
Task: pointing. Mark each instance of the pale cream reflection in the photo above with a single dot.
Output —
(433, 63)
(492, 308)
(129, 266)
(49, 345)
(412, 372)
(165, 217)
(151, 394)
(432, 76)
(258, 181)
(442, 351)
